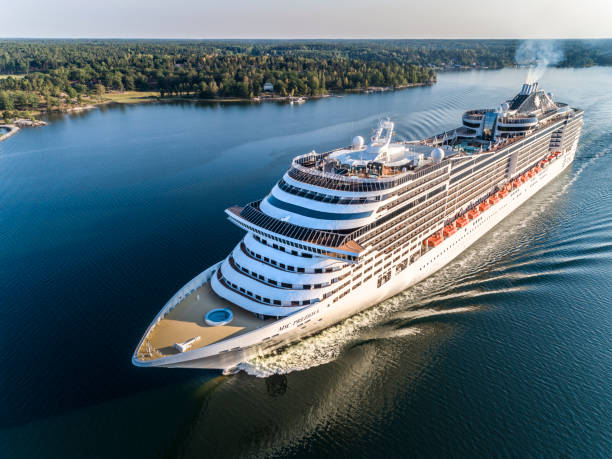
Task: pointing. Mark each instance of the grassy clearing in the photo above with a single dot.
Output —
(17, 77)
(131, 97)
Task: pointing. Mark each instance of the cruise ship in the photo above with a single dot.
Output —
(346, 229)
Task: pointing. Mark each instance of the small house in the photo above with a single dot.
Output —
(268, 86)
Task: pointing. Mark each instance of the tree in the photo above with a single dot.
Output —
(6, 102)
(213, 89)
(100, 90)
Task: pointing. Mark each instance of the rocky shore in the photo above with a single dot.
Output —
(14, 127)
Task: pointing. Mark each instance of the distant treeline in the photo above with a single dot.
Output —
(54, 72)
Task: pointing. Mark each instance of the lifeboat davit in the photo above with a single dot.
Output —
(472, 214)
(449, 230)
(461, 222)
(484, 206)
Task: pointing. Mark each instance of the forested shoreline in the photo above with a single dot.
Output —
(45, 75)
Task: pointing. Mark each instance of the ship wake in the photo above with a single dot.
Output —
(388, 320)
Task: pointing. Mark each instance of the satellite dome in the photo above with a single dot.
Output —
(357, 142)
(437, 155)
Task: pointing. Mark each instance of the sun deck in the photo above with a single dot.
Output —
(186, 321)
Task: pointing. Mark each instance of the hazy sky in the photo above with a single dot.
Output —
(307, 18)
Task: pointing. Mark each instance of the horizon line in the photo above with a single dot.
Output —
(303, 38)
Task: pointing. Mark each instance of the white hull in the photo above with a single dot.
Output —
(228, 353)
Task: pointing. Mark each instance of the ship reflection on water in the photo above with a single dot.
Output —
(277, 385)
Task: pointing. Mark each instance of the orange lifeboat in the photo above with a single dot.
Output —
(531, 173)
(494, 199)
(461, 222)
(435, 240)
(549, 157)
(449, 231)
(544, 162)
(472, 214)
(484, 206)
(537, 169)
(524, 178)
(517, 183)
(503, 193)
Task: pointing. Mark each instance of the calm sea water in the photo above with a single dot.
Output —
(104, 215)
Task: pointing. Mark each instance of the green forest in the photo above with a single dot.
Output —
(43, 75)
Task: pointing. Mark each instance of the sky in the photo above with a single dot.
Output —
(307, 19)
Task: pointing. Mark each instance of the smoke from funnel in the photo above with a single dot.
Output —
(537, 55)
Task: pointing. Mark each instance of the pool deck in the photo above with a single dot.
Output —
(186, 321)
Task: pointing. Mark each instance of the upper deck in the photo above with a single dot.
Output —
(325, 200)
(385, 164)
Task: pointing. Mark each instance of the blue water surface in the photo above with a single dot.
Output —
(105, 214)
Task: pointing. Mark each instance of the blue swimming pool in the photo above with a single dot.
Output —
(219, 317)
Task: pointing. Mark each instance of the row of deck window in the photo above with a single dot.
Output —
(286, 285)
(332, 199)
(261, 299)
(408, 196)
(286, 267)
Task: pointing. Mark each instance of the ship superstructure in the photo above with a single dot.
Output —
(348, 228)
